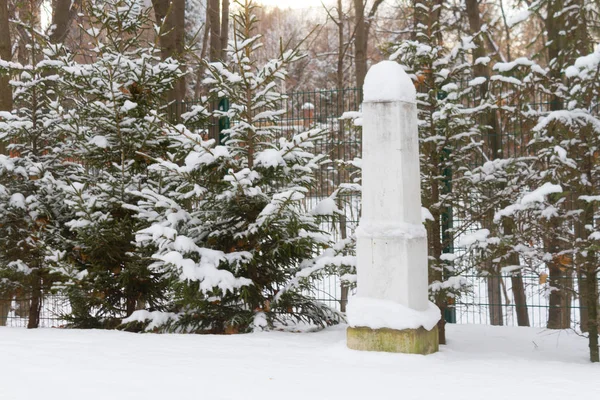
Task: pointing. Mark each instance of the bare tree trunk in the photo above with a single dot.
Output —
(580, 269)
(494, 288)
(559, 310)
(341, 49)
(435, 243)
(591, 280)
(5, 54)
(361, 38)
(559, 315)
(214, 55)
(344, 290)
(35, 306)
(224, 29)
(360, 45)
(495, 146)
(200, 72)
(63, 13)
(518, 287)
(5, 302)
(215, 30)
(170, 15)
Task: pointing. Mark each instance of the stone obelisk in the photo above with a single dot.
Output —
(391, 310)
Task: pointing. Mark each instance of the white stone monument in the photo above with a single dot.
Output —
(391, 310)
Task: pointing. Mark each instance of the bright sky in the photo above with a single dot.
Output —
(294, 3)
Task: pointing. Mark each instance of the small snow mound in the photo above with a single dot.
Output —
(377, 314)
(260, 322)
(17, 200)
(326, 207)
(539, 195)
(387, 81)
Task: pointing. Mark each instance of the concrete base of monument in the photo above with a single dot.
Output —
(409, 341)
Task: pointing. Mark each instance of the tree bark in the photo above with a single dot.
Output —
(591, 283)
(360, 45)
(494, 142)
(518, 287)
(361, 39)
(580, 269)
(339, 76)
(586, 267)
(559, 299)
(224, 29)
(170, 15)
(205, 36)
(35, 307)
(215, 30)
(63, 13)
(6, 55)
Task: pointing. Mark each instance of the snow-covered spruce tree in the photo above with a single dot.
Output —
(116, 112)
(234, 232)
(32, 208)
(568, 37)
(557, 215)
(582, 144)
(505, 172)
(449, 141)
(565, 145)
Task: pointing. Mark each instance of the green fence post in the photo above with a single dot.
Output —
(224, 122)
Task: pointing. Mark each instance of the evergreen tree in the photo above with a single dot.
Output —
(505, 172)
(117, 121)
(231, 225)
(449, 140)
(553, 216)
(32, 208)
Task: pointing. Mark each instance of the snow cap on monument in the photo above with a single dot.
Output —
(387, 81)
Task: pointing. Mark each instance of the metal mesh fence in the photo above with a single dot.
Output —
(473, 306)
(14, 311)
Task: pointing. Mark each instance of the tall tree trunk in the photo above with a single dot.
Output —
(215, 30)
(435, 249)
(431, 201)
(518, 289)
(582, 234)
(339, 80)
(63, 13)
(339, 76)
(584, 44)
(224, 29)
(587, 264)
(494, 142)
(35, 307)
(4, 308)
(170, 16)
(360, 56)
(361, 38)
(205, 36)
(591, 281)
(214, 55)
(6, 55)
(559, 315)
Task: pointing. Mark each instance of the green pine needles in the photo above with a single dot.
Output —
(233, 229)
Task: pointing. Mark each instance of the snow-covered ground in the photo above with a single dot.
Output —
(480, 362)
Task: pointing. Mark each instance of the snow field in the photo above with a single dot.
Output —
(479, 362)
